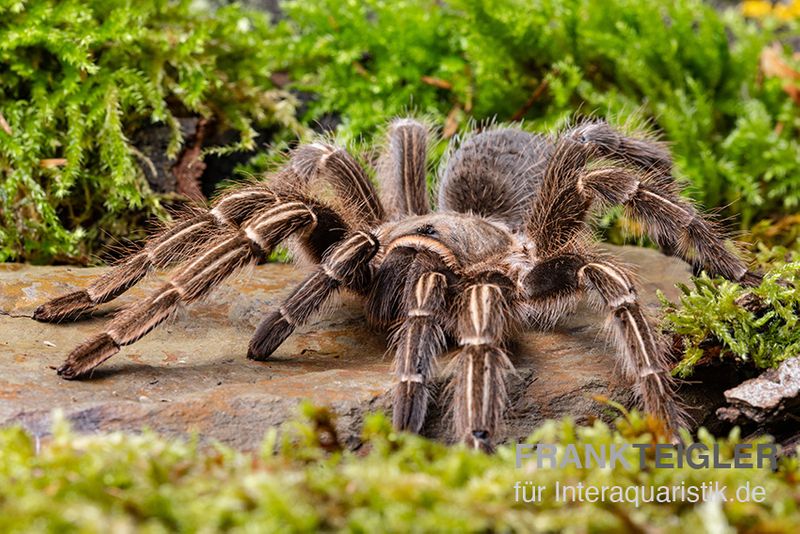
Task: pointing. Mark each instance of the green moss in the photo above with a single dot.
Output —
(689, 69)
(80, 77)
(396, 482)
(755, 326)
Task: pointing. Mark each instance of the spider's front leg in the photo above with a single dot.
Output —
(480, 369)
(418, 341)
(643, 353)
(179, 243)
(346, 265)
(219, 259)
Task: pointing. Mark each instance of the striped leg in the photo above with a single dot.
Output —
(183, 242)
(402, 169)
(346, 176)
(417, 342)
(193, 280)
(480, 369)
(651, 196)
(180, 242)
(347, 266)
(672, 221)
(643, 354)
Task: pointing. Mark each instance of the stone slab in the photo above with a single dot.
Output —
(191, 375)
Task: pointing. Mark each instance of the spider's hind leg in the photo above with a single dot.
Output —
(645, 186)
(672, 221)
(641, 150)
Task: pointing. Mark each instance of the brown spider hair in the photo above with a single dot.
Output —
(508, 247)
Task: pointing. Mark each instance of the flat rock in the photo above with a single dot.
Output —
(773, 396)
(191, 375)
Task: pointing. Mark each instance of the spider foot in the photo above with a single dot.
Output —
(87, 356)
(479, 440)
(269, 335)
(409, 406)
(69, 306)
(751, 279)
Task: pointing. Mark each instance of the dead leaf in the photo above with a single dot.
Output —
(190, 166)
(774, 65)
(52, 162)
(4, 125)
(437, 82)
(537, 93)
(451, 122)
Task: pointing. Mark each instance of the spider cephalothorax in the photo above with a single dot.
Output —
(507, 247)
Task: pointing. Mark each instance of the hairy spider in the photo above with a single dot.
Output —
(507, 247)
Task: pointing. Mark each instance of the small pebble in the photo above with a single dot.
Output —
(49, 343)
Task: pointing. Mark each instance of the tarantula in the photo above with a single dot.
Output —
(507, 247)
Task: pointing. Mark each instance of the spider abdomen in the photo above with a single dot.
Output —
(495, 173)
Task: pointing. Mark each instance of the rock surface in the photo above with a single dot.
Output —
(770, 397)
(191, 375)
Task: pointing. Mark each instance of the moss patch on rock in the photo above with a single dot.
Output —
(756, 327)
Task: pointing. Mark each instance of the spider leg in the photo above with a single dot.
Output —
(478, 386)
(402, 169)
(192, 280)
(672, 221)
(641, 150)
(177, 243)
(337, 167)
(417, 342)
(643, 353)
(347, 265)
(652, 197)
(386, 301)
(559, 209)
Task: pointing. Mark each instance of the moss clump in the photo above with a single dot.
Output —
(756, 326)
(80, 77)
(395, 482)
